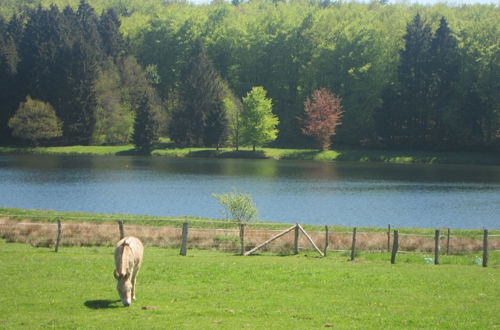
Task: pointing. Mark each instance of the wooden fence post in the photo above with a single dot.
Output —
(184, 238)
(59, 231)
(120, 227)
(395, 246)
(353, 247)
(485, 248)
(448, 242)
(326, 241)
(296, 240)
(242, 238)
(389, 238)
(437, 246)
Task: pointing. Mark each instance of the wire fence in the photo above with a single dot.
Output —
(229, 239)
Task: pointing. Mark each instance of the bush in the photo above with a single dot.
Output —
(34, 121)
(238, 206)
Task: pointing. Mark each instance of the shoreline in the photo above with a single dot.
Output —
(41, 215)
(353, 155)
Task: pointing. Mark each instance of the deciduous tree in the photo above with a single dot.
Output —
(323, 115)
(257, 121)
(238, 206)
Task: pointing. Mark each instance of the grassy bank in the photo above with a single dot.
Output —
(212, 290)
(387, 156)
(37, 228)
(36, 215)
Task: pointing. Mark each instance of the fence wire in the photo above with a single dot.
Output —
(44, 234)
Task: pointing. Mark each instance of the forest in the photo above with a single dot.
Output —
(120, 71)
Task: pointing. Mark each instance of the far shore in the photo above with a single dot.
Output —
(354, 155)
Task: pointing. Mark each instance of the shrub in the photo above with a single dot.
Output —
(34, 121)
(238, 206)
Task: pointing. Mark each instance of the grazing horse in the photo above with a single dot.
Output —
(128, 259)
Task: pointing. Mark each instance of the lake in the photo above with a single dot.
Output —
(343, 193)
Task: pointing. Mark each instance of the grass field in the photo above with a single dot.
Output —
(213, 290)
(387, 156)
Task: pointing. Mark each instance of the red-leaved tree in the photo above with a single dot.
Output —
(323, 115)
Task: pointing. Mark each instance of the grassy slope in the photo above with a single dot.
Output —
(389, 156)
(213, 290)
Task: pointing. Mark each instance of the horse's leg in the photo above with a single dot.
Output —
(134, 275)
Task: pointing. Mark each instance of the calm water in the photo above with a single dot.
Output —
(284, 191)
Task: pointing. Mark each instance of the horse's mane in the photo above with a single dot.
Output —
(126, 254)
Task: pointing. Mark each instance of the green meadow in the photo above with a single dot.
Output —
(362, 155)
(75, 288)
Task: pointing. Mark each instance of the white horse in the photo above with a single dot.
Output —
(128, 259)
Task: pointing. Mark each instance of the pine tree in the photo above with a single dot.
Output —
(473, 110)
(89, 29)
(8, 69)
(388, 117)
(445, 108)
(39, 50)
(109, 29)
(414, 75)
(79, 99)
(199, 118)
(146, 128)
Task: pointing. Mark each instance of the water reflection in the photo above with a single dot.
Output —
(289, 191)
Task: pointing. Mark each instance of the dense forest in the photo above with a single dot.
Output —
(121, 71)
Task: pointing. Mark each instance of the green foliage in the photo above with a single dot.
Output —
(9, 59)
(80, 94)
(77, 62)
(446, 122)
(233, 110)
(257, 122)
(34, 121)
(114, 119)
(238, 206)
(414, 74)
(146, 126)
(290, 48)
(109, 30)
(200, 117)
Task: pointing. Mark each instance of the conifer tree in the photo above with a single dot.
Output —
(38, 52)
(89, 29)
(199, 118)
(109, 29)
(445, 108)
(80, 100)
(146, 127)
(414, 75)
(8, 68)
